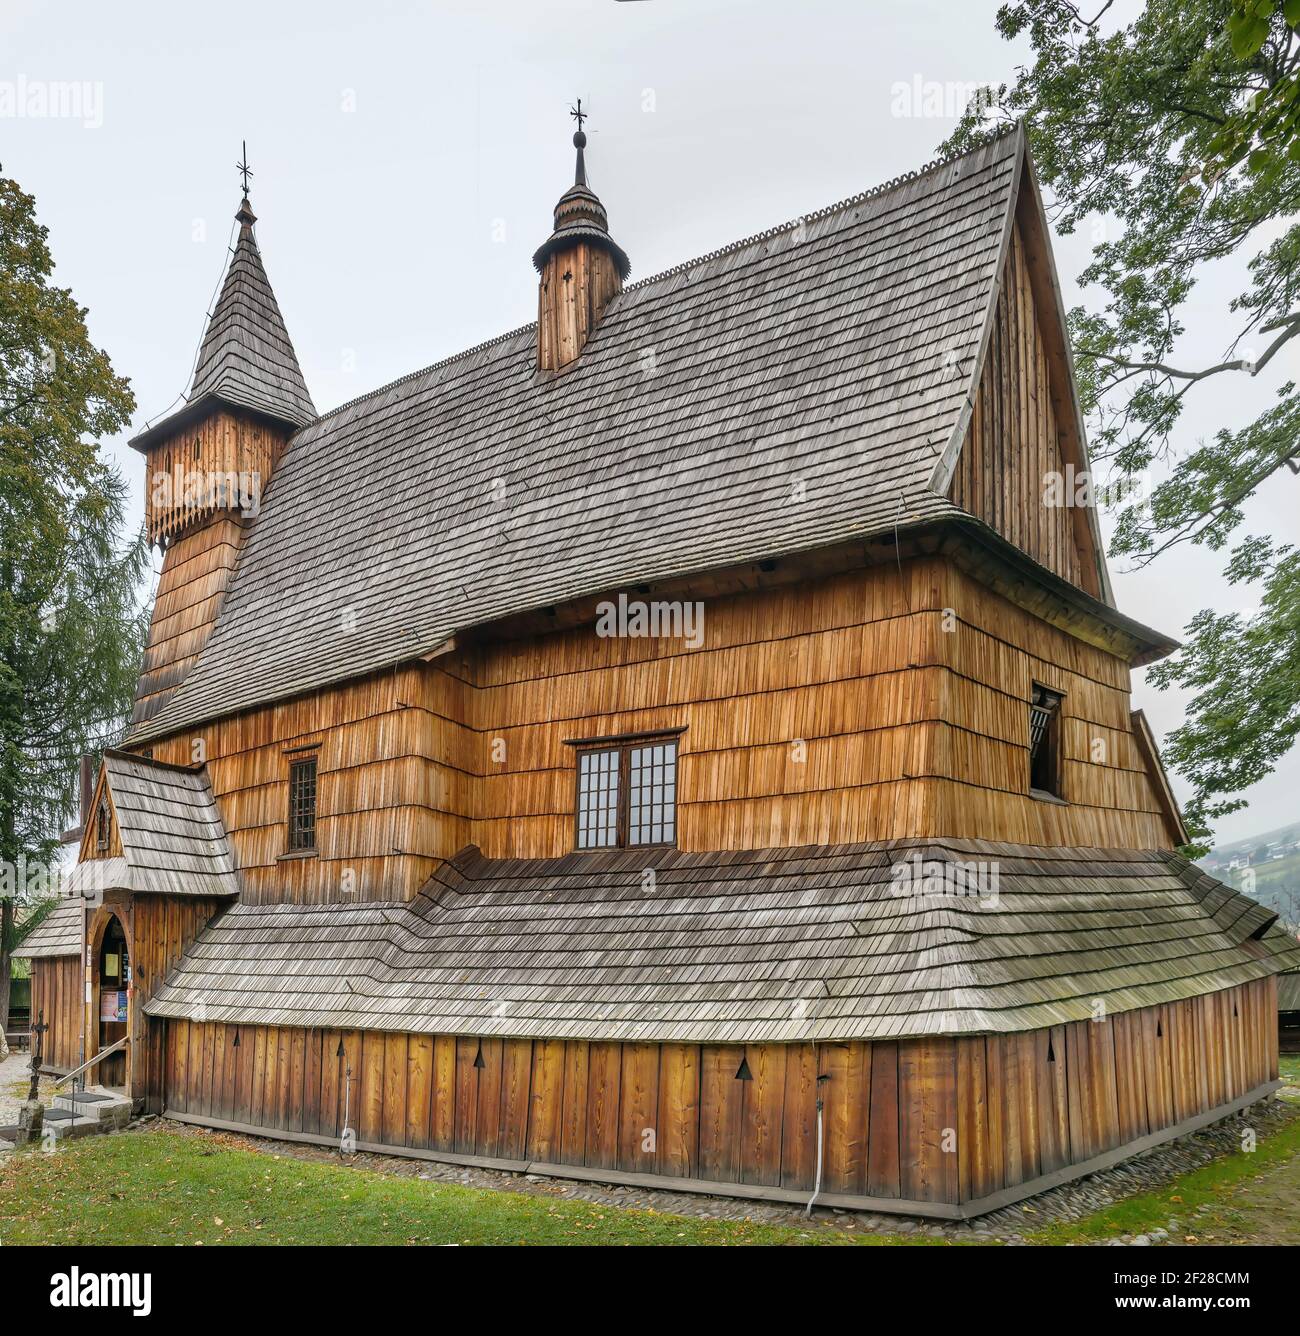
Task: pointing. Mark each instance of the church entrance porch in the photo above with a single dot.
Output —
(110, 997)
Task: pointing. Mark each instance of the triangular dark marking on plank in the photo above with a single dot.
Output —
(478, 1058)
(742, 1072)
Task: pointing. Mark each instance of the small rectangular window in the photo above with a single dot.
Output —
(1044, 741)
(627, 794)
(302, 805)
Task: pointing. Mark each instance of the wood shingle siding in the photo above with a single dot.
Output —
(904, 691)
(59, 933)
(246, 359)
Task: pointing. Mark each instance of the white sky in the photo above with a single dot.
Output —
(395, 144)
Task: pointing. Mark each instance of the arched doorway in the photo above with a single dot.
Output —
(111, 999)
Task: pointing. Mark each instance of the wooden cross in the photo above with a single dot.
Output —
(242, 165)
(578, 114)
(38, 1052)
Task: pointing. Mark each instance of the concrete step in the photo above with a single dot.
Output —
(65, 1123)
(109, 1108)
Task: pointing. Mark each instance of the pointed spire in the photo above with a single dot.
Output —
(247, 357)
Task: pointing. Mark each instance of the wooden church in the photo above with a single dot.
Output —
(686, 740)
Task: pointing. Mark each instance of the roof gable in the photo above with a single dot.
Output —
(791, 392)
(1028, 290)
(167, 838)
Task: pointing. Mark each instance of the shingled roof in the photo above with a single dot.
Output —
(246, 359)
(837, 352)
(58, 934)
(173, 840)
(737, 947)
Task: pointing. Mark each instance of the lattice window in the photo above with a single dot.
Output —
(598, 798)
(627, 794)
(302, 804)
(652, 794)
(1044, 740)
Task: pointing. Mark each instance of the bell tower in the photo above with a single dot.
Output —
(208, 463)
(582, 268)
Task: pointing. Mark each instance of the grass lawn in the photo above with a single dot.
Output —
(162, 1187)
(1249, 1198)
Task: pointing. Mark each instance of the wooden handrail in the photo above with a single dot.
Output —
(90, 1062)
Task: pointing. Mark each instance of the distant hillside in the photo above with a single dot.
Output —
(1223, 854)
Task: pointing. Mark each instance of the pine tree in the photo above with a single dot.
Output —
(71, 626)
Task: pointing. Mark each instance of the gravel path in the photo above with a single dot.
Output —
(15, 1073)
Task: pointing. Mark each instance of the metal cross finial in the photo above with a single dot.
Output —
(578, 114)
(242, 165)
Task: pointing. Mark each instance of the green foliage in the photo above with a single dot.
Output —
(71, 629)
(22, 928)
(1244, 676)
(1178, 135)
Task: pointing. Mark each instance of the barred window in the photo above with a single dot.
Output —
(627, 794)
(1044, 741)
(302, 805)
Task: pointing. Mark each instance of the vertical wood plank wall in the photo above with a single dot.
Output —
(945, 1120)
(222, 446)
(58, 989)
(1014, 439)
(161, 929)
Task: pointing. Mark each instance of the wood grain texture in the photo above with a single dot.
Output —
(930, 1120)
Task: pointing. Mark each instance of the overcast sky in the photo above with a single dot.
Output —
(407, 157)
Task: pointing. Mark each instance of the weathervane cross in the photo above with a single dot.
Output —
(242, 165)
(578, 114)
